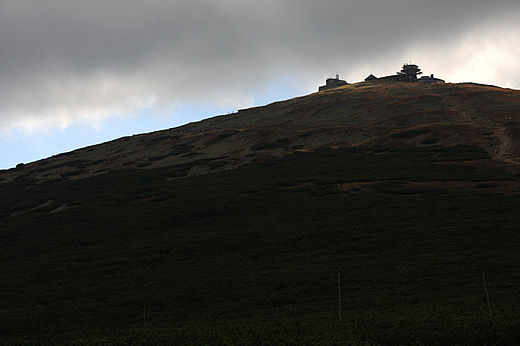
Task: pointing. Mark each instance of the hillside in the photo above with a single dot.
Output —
(363, 114)
(233, 230)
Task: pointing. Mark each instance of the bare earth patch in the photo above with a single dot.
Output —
(63, 207)
(18, 213)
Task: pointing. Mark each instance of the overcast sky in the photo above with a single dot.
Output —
(76, 73)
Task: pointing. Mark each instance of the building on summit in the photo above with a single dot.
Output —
(370, 77)
(430, 79)
(332, 83)
(408, 73)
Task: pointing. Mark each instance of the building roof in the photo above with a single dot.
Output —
(332, 83)
(430, 79)
(408, 73)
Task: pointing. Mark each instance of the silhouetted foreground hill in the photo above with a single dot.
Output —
(233, 230)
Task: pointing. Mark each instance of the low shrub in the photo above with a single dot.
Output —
(217, 164)
(429, 140)
(265, 145)
(410, 133)
(73, 173)
(486, 185)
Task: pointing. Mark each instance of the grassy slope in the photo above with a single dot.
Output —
(252, 254)
(357, 114)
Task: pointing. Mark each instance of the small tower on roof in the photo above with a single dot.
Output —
(410, 70)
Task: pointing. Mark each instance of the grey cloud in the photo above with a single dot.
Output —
(60, 54)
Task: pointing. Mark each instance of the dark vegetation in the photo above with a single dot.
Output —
(177, 150)
(270, 145)
(410, 133)
(250, 256)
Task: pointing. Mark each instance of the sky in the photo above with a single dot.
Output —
(74, 73)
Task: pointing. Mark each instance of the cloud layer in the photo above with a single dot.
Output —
(63, 62)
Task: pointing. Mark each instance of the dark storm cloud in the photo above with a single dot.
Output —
(61, 61)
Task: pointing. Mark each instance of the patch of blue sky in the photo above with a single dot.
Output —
(284, 87)
(25, 148)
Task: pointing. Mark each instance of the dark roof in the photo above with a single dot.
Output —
(408, 73)
(332, 83)
(430, 79)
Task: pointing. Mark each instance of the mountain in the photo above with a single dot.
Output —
(236, 229)
(362, 114)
